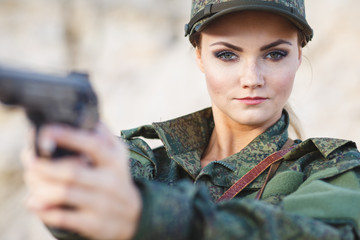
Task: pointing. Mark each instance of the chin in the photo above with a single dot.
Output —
(253, 122)
(255, 118)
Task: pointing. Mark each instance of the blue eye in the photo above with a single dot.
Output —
(226, 56)
(276, 55)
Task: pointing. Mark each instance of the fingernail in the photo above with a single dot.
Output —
(47, 146)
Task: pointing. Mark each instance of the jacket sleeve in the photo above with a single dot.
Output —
(186, 212)
(143, 159)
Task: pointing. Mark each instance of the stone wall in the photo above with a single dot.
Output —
(144, 70)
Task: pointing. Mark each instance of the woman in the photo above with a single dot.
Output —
(249, 52)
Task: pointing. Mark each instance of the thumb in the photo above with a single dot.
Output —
(111, 150)
(98, 145)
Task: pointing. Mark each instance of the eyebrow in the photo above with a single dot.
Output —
(229, 45)
(270, 45)
(274, 44)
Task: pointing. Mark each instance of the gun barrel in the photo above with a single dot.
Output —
(16, 84)
(48, 98)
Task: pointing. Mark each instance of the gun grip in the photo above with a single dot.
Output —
(61, 152)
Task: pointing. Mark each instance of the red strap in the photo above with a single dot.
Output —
(253, 174)
(273, 168)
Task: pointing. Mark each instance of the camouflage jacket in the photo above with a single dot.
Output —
(315, 193)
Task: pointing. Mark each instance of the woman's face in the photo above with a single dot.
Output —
(249, 60)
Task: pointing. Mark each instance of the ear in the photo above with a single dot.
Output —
(199, 59)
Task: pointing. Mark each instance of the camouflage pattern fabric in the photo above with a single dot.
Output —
(203, 12)
(178, 209)
(314, 194)
(197, 5)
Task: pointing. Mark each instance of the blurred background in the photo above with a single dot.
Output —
(144, 70)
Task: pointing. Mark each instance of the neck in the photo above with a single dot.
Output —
(228, 138)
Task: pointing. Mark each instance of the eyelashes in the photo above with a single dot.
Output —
(226, 55)
(229, 56)
(276, 55)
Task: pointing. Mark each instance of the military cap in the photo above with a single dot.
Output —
(203, 12)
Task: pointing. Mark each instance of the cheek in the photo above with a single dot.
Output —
(283, 83)
(218, 85)
(219, 80)
(214, 84)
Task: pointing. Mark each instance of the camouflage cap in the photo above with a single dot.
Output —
(204, 12)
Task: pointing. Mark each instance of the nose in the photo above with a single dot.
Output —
(251, 75)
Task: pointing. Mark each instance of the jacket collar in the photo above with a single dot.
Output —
(186, 138)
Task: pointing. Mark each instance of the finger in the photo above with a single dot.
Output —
(48, 195)
(39, 173)
(66, 169)
(45, 142)
(64, 219)
(32, 177)
(57, 194)
(47, 191)
(89, 223)
(69, 173)
(99, 145)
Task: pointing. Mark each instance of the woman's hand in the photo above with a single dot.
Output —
(100, 198)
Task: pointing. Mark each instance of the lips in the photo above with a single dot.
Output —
(252, 100)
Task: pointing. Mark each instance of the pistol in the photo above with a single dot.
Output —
(46, 99)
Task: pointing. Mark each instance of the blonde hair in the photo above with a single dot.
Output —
(295, 129)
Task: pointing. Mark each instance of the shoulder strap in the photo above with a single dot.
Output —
(249, 177)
